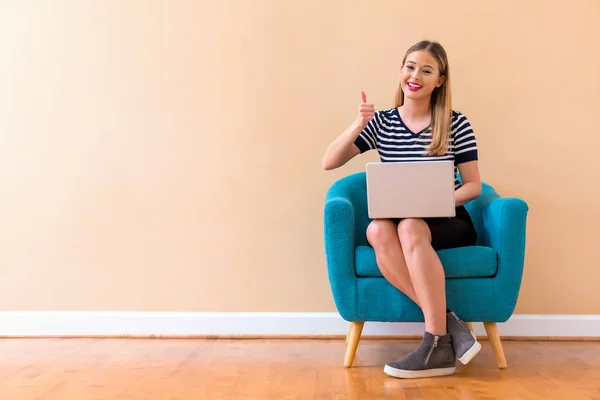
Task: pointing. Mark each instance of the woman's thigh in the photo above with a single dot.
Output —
(382, 232)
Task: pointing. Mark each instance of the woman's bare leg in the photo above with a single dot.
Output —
(383, 237)
(426, 273)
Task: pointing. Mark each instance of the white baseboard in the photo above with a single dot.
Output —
(255, 324)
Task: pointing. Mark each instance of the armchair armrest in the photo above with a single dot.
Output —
(340, 244)
(504, 222)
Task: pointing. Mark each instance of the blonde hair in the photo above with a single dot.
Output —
(441, 102)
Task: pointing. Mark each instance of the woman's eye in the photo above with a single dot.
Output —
(409, 67)
(427, 71)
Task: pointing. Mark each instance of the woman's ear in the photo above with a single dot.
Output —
(441, 81)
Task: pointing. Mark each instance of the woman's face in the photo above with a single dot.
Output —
(420, 75)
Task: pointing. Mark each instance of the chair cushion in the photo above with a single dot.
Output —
(461, 262)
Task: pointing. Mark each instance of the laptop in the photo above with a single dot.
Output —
(419, 189)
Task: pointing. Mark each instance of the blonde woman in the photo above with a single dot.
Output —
(422, 126)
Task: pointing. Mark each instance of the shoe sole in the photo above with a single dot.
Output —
(428, 373)
(472, 352)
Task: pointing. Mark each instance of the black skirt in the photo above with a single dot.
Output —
(447, 233)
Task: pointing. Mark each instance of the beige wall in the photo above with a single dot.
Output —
(118, 118)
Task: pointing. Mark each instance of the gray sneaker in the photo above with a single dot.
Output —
(434, 357)
(464, 341)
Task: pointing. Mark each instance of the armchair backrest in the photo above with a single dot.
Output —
(476, 211)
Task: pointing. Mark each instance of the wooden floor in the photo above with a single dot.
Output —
(87, 369)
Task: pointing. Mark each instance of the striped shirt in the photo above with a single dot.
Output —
(395, 142)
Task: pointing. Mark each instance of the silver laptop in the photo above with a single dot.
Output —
(419, 189)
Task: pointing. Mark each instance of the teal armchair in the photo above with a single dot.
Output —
(482, 281)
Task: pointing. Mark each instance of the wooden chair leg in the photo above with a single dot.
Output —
(494, 338)
(470, 326)
(348, 334)
(354, 332)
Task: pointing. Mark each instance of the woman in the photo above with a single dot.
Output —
(421, 126)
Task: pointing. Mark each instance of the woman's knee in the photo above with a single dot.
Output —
(380, 232)
(412, 232)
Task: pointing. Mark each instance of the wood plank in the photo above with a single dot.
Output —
(170, 369)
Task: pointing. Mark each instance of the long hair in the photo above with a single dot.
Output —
(441, 101)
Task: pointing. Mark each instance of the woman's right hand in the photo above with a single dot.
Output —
(366, 111)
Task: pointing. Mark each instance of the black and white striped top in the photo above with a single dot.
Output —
(395, 142)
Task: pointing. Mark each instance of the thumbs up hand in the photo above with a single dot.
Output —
(366, 111)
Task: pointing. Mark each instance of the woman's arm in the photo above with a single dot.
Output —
(343, 148)
(471, 187)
